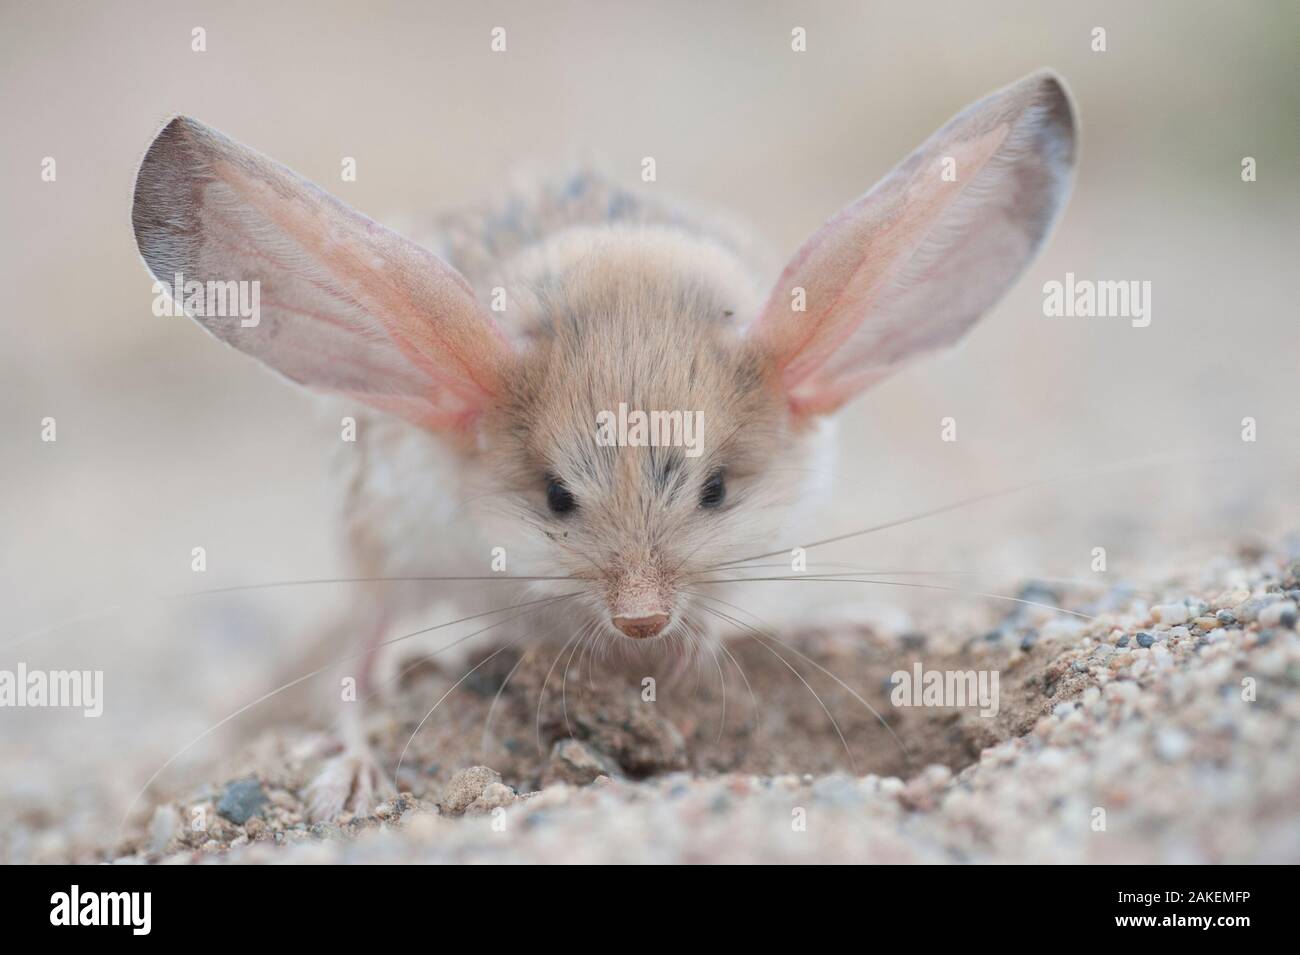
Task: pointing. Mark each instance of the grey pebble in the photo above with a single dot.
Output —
(1226, 618)
(1248, 611)
(1145, 639)
(913, 641)
(578, 764)
(241, 800)
(1278, 613)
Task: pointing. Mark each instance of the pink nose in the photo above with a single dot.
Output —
(638, 628)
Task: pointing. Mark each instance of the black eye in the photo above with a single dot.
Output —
(714, 491)
(558, 497)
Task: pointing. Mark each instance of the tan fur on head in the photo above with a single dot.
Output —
(643, 317)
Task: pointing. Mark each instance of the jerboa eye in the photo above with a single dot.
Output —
(558, 497)
(714, 491)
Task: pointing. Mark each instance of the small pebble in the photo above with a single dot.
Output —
(1145, 639)
(466, 786)
(1282, 613)
(576, 763)
(1226, 618)
(495, 796)
(241, 800)
(1171, 613)
(1230, 598)
(1248, 611)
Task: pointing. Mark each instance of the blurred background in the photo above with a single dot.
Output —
(167, 441)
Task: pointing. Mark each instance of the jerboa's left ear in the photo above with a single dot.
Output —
(911, 265)
(346, 305)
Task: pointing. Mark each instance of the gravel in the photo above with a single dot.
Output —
(1180, 745)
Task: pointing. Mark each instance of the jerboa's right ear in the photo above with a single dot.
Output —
(345, 304)
(911, 265)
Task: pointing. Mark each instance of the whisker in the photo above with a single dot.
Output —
(277, 584)
(564, 678)
(857, 570)
(753, 634)
(487, 723)
(419, 662)
(1121, 467)
(419, 726)
(307, 676)
(365, 580)
(793, 649)
(541, 694)
(722, 679)
(585, 662)
(758, 719)
(689, 652)
(681, 655)
(901, 583)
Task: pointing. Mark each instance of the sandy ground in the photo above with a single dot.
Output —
(167, 442)
(1162, 729)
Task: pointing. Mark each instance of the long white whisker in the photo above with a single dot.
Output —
(307, 676)
(564, 678)
(419, 662)
(722, 679)
(820, 702)
(855, 570)
(541, 694)
(752, 698)
(487, 723)
(269, 585)
(419, 726)
(852, 692)
(1117, 468)
(848, 579)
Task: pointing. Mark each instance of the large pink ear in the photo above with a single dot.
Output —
(345, 304)
(911, 265)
